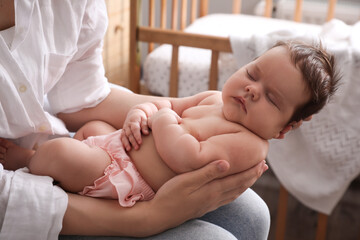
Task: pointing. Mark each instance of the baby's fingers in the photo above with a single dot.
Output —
(136, 136)
(133, 142)
(130, 137)
(144, 127)
(125, 141)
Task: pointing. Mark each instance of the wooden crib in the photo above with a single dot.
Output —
(177, 37)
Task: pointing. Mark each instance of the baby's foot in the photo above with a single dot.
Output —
(12, 156)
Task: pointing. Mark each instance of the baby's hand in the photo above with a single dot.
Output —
(135, 124)
(166, 116)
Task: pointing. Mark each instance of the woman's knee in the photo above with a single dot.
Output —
(257, 214)
(247, 217)
(195, 229)
(260, 214)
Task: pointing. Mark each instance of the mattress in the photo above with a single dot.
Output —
(194, 63)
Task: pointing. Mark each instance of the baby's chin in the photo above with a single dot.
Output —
(268, 135)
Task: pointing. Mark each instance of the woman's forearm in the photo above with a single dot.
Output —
(94, 216)
(113, 110)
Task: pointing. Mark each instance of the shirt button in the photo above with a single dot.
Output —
(22, 88)
(42, 128)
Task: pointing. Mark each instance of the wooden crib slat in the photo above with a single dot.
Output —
(268, 8)
(174, 14)
(281, 214)
(236, 9)
(193, 10)
(321, 227)
(331, 10)
(213, 79)
(163, 14)
(151, 22)
(183, 14)
(298, 11)
(204, 7)
(151, 13)
(174, 72)
(134, 68)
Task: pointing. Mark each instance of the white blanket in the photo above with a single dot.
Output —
(317, 162)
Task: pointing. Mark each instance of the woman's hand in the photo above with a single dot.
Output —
(193, 194)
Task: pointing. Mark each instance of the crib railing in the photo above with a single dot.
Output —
(176, 37)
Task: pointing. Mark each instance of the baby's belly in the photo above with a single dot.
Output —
(149, 164)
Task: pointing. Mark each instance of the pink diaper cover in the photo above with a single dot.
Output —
(121, 180)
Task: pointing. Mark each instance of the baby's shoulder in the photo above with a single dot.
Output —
(212, 97)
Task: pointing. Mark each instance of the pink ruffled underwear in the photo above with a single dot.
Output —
(121, 179)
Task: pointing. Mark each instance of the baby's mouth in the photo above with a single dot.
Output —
(242, 101)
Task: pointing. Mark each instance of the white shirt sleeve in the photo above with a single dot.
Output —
(83, 83)
(45, 206)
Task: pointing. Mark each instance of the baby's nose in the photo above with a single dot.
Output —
(253, 92)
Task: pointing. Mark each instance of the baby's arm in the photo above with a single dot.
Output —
(182, 152)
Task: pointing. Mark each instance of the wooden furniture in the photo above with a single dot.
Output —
(116, 42)
(176, 37)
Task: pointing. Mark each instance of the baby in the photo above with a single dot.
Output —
(288, 83)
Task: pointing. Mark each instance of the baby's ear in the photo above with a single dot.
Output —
(282, 133)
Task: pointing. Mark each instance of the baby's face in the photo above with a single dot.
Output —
(264, 94)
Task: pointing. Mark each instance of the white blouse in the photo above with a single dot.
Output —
(50, 62)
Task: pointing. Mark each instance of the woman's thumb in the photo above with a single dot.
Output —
(213, 170)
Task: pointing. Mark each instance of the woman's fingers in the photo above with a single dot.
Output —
(237, 183)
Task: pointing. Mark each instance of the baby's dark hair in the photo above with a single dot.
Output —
(318, 69)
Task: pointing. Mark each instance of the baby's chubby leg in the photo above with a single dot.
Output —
(71, 162)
